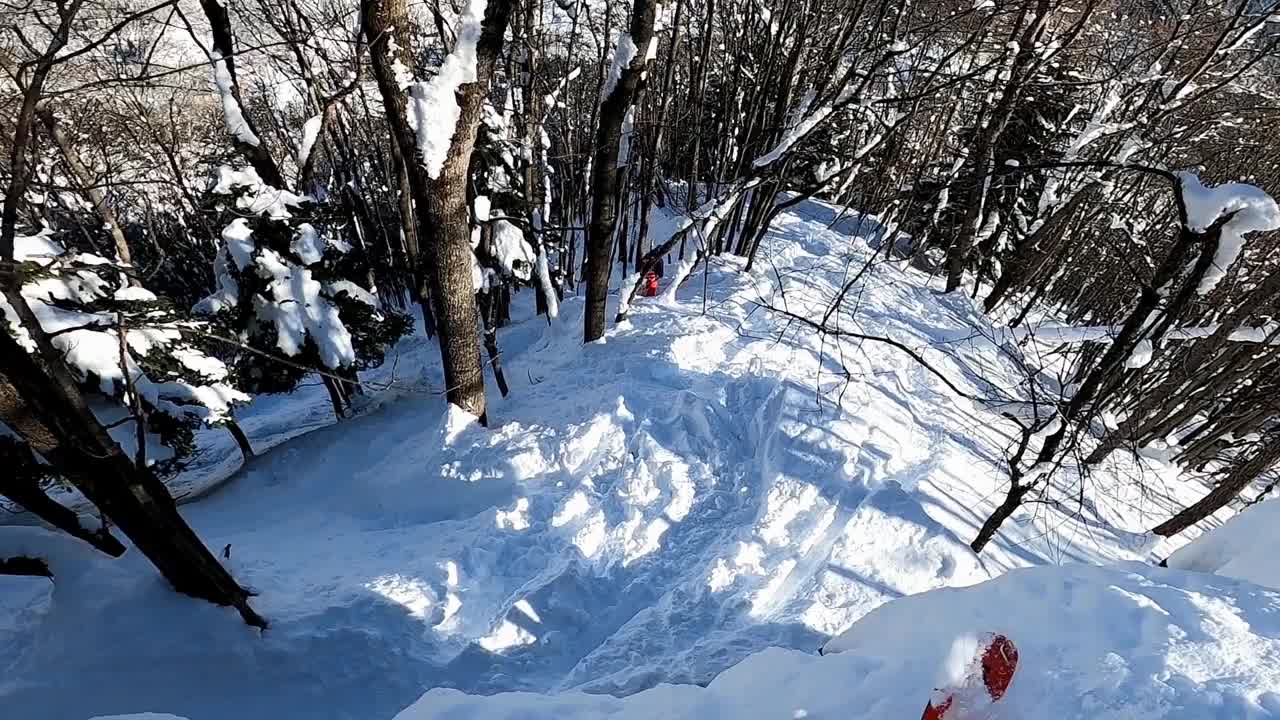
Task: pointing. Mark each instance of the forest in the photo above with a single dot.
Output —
(217, 206)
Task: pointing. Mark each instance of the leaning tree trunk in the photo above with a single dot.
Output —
(605, 171)
(1242, 473)
(130, 496)
(21, 485)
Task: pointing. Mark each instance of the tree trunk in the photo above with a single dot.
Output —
(21, 484)
(242, 440)
(605, 172)
(440, 203)
(489, 302)
(409, 226)
(1006, 509)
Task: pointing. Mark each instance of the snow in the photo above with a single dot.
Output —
(434, 104)
(1250, 210)
(483, 208)
(299, 311)
(139, 716)
(705, 497)
(624, 52)
(40, 247)
(232, 113)
(336, 287)
(298, 306)
(226, 294)
(512, 252)
(1107, 644)
(403, 78)
(90, 340)
(1243, 547)
(307, 244)
(310, 133)
(256, 198)
(548, 289)
(134, 294)
(624, 139)
(1053, 332)
(239, 239)
(1141, 355)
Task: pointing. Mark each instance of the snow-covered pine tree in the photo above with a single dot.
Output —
(143, 364)
(289, 286)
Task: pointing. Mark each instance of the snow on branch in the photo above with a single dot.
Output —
(433, 105)
(1247, 209)
(1268, 334)
(624, 52)
(232, 113)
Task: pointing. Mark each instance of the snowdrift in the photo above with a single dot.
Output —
(1098, 643)
(1243, 547)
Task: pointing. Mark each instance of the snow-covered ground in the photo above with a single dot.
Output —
(1097, 643)
(711, 481)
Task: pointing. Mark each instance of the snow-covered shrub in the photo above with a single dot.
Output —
(289, 285)
(126, 346)
(504, 251)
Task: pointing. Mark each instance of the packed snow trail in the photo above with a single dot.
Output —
(651, 508)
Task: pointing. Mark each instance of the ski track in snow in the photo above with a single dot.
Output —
(651, 508)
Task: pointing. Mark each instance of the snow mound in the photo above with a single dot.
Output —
(1244, 547)
(1099, 643)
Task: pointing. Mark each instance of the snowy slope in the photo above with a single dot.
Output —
(1243, 547)
(709, 481)
(1104, 644)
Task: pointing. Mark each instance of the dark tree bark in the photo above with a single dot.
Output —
(605, 172)
(489, 312)
(21, 484)
(242, 440)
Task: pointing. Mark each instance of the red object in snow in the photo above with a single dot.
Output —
(650, 284)
(999, 661)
